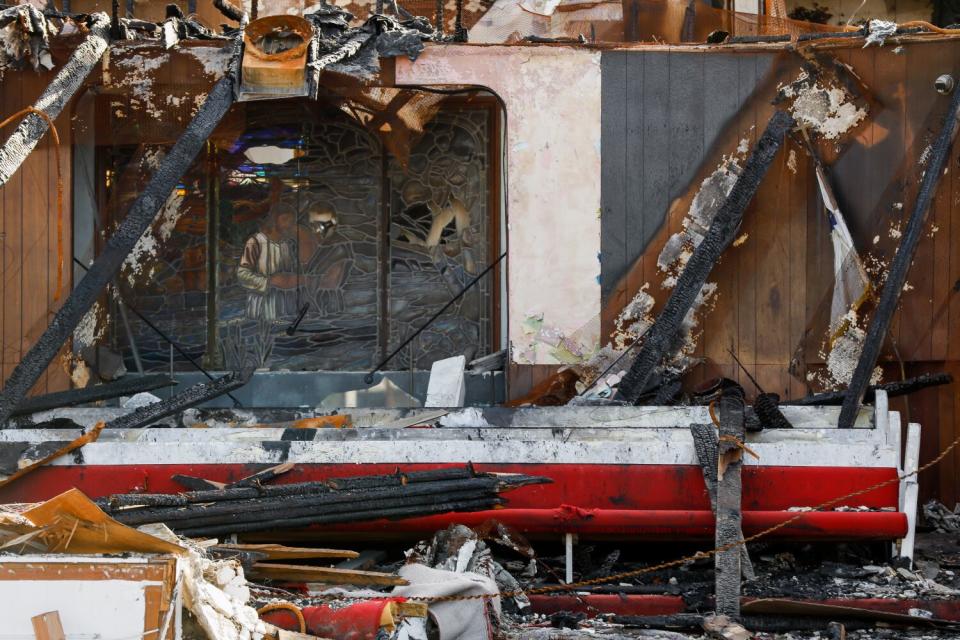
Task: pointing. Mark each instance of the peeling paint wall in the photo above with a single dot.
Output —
(553, 183)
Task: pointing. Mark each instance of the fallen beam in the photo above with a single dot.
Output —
(893, 389)
(108, 263)
(900, 267)
(55, 97)
(187, 398)
(657, 340)
(126, 386)
(327, 575)
(729, 490)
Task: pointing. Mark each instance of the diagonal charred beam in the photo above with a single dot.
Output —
(108, 263)
(187, 398)
(900, 267)
(657, 340)
(53, 99)
(126, 386)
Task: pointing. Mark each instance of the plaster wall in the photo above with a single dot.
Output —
(552, 100)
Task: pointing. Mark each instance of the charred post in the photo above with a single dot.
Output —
(108, 263)
(705, 443)
(729, 517)
(900, 267)
(55, 97)
(658, 339)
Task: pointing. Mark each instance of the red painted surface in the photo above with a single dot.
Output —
(638, 501)
(594, 604)
(658, 487)
(358, 621)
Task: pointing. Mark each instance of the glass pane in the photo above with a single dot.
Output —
(439, 240)
(315, 247)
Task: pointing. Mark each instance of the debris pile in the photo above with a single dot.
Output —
(242, 508)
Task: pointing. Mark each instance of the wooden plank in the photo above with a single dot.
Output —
(152, 616)
(281, 552)
(47, 626)
(914, 339)
(746, 255)
(639, 230)
(327, 575)
(57, 377)
(655, 104)
(5, 90)
(34, 266)
(947, 416)
(140, 572)
(614, 172)
(13, 244)
(797, 214)
(721, 133)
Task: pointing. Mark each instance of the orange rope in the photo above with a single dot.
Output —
(56, 145)
(285, 606)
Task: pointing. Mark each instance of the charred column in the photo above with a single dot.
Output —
(730, 453)
(657, 340)
(108, 263)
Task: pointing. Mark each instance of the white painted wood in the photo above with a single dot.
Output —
(88, 608)
(568, 546)
(881, 412)
(447, 386)
(911, 461)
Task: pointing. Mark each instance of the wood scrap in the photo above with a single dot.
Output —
(326, 575)
(281, 552)
(90, 436)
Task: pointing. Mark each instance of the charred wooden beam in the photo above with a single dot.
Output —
(269, 506)
(196, 484)
(900, 267)
(353, 510)
(893, 389)
(395, 513)
(729, 489)
(705, 444)
(657, 340)
(229, 10)
(107, 264)
(299, 489)
(55, 97)
(125, 386)
(187, 398)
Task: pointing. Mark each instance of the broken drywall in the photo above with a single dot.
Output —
(557, 201)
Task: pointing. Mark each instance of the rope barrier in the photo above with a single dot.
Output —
(699, 555)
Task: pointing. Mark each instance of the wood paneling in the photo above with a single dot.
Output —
(29, 234)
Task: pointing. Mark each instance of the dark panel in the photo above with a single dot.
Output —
(613, 178)
(662, 114)
(648, 214)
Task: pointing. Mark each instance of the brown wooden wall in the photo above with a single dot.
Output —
(774, 290)
(28, 228)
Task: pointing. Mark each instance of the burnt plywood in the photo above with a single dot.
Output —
(662, 113)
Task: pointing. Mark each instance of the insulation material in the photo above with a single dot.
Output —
(824, 108)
